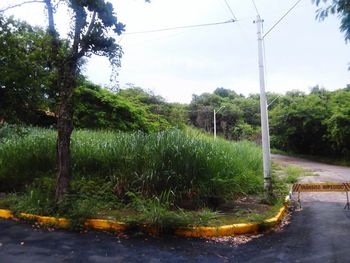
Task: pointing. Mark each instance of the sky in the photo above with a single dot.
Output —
(300, 52)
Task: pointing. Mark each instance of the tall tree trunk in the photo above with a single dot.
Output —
(65, 128)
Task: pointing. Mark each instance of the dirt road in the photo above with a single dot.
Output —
(318, 233)
(323, 173)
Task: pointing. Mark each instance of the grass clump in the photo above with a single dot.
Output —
(293, 173)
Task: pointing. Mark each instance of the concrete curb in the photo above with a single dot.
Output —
(234, 229)
(195, 231)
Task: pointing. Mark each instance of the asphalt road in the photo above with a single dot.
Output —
(318, 233)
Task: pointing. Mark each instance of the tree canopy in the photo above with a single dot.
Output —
(25, 76)
(335, 7)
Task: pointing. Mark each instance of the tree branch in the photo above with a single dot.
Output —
(91, 26)
(52, 27)
(79, 24)
(92, 22)
(52, 30)
(56, 5)
(23, 3)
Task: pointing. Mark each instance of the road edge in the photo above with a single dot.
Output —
(190, 231)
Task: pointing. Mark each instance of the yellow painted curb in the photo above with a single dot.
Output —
(60, 222)
(6, 214)
(228, 230)
(105, 225)
(65, 223)
(195, 231)
(235, 229)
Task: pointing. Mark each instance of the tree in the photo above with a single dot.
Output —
(91, 21)
(298, 124)
(339, 122)
(25, 76)
(225, 93)
(201, 110)
(339, 7)
(127, 110)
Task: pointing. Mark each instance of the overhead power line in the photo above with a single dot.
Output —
(20, 4)
(290, 10)
(234, 17)
(180, 27)
(256, 8)
(230, 9)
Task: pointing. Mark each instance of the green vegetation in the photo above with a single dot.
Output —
(341, 8)
(25, 79)
(315, 124)
(139, 162)
(126, 110)
(238, 120)
(293, 172)
(156, 176)
(290, 174)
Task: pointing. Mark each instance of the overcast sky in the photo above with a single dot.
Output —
(300, 52)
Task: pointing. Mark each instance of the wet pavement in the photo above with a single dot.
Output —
(318, 233)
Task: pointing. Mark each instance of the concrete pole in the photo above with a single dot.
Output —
(214, 124)
(215, 112)
(264, 116)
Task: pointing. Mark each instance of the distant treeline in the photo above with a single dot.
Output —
(317, 123)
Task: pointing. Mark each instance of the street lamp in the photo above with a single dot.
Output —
(215, 112)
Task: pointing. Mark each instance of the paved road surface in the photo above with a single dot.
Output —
(318, 233)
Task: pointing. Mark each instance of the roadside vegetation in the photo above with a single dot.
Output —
(290, 174)
(167, 178)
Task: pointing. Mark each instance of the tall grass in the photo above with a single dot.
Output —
(26, 157)
(188, 164)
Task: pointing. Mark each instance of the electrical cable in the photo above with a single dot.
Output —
(269, 104)
(235, 18)
(230, 9)
(264, 58)
(290, 10)
(239, 107)
(20, 4)
(180, 27)
(256, 8)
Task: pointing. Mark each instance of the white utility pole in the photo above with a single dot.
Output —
(264, 115)
(215, 112)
